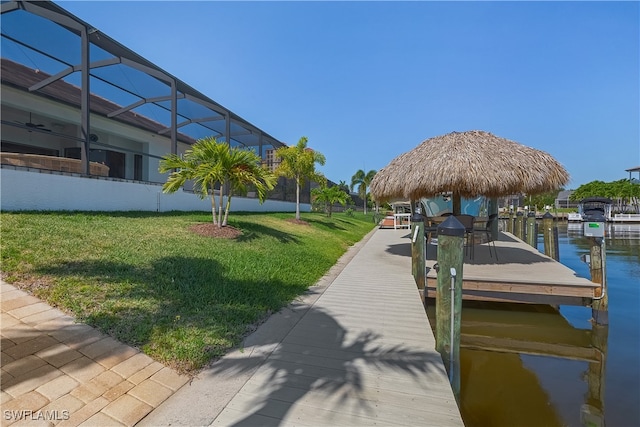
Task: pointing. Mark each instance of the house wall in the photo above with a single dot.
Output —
(35, 190)
(115, 134)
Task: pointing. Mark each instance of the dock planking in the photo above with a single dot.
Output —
(520, 273)
(363, 354)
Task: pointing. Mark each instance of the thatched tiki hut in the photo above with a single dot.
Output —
(468, 164)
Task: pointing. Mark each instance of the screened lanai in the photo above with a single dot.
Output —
(72, 92)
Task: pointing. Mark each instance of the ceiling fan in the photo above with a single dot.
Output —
(30, 124)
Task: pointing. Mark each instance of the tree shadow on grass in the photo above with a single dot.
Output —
(321, 364)
(252, 231)
(183, 310)
(324, 224)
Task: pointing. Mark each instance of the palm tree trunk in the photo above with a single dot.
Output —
(213, 202)
(297, 200)
(365, 199)
(226, 210)
(213, 208)
(219, 208)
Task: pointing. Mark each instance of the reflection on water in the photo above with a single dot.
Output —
(544, 366)
(612, 231)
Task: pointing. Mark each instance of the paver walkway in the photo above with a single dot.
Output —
(59, 372)
(356, 350)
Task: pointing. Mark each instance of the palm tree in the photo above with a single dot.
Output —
(329, 196)
(299, 162)
(344, 186)
(362, 180)
(211, 164)
(244, 169)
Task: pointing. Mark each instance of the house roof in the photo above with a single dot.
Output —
(564, 194)
(42, 53)
(21, 77)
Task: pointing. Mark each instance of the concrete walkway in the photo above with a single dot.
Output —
(356, 350)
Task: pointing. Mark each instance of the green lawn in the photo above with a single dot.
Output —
(147, 280)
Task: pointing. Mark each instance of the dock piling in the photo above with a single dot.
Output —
(549, 235)
(449, 301)
(418, 248)
(532, 235)
(518, 227)
(510, 222)
(600, 305)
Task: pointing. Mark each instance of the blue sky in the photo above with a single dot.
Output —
(368, 81)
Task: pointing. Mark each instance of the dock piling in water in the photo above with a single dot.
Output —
(518, 227)
(510, 222)
(532, 235)
(550, 236)
(449, 309)
(600, 305)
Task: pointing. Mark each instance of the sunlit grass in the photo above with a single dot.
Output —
(150, 282)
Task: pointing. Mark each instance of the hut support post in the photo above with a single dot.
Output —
(449, 297)
(456, 203)
(519, 226)
(532, 236)
(597, 267)
(418, 248)
(493, 209)
(549, 236)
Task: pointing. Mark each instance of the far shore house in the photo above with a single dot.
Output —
(631, 171)
(85, 121)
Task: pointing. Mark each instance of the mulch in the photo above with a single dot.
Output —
(208, 229)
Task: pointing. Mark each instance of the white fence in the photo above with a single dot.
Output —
(619, 217)
(39, 190)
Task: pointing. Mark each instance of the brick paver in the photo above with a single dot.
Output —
(127, 409)
(62, 373)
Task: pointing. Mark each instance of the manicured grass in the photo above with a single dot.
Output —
(148, 281)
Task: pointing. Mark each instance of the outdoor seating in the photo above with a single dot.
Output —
(469, 232)
(430, 231)
(489, 235)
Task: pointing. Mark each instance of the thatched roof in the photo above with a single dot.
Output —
(469, 164)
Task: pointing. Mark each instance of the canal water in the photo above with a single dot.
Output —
(530, 365)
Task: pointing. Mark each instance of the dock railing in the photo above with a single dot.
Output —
(620, 217)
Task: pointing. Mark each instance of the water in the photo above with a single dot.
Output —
(524, 365)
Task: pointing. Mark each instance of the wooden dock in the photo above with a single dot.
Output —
(520, 273)
(359, 350)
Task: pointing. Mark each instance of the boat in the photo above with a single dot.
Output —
(595, 209)
(600, 209)
(574, 217)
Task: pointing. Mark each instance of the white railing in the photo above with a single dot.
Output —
(626, 217)
(401, 220)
